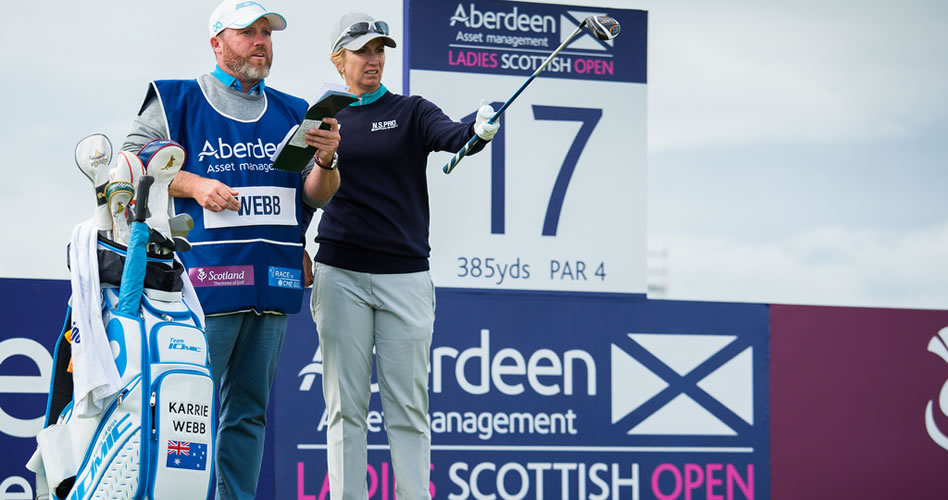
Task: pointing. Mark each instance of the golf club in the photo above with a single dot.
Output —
(123, 177)
(119, 194)
(93, 155)
(163, 160)
(603, 27)
(181, 244)
(133, 274)
(181, 225)
(127, 168)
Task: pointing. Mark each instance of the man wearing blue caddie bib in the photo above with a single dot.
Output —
(247, 261)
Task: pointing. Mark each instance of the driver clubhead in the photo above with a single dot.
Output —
(604, 27)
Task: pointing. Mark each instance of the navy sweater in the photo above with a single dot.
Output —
(377, 222)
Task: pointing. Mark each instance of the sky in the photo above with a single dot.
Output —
(795, 149)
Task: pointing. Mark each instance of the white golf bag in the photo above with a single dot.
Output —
(155, 438)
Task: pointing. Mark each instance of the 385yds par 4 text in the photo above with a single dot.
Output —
(489, 268)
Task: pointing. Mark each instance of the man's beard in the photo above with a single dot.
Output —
(242, 66)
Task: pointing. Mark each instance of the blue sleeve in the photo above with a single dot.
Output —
(441, 133)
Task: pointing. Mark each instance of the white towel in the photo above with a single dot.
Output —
(95, 377)
(189, 295)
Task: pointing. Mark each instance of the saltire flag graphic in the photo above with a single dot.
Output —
(187, 455)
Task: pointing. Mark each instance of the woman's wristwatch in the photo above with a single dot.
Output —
(332, 166)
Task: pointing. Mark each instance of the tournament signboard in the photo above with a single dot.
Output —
(557, 201)
(31, 318)
(860, 402)
(561, 396)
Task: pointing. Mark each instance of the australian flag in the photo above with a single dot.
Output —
(187, 455)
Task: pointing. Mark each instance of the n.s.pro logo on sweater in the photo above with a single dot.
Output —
(384, 125)
(259, 206)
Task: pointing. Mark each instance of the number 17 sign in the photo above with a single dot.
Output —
(557, 200)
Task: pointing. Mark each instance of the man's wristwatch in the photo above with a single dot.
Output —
(332, 166)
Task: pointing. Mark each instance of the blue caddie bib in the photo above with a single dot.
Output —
(250, 259)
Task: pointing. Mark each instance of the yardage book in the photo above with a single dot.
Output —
(293, 154)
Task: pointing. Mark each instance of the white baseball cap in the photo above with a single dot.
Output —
(240, 14)
(356, 29)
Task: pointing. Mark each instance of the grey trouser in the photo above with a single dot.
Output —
(394, 313)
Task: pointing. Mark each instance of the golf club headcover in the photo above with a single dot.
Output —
(119, 195)
(128, 168)
(482, 126)
(163, 160)
(93, 155)
(124, 176)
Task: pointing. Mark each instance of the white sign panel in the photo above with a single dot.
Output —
(557, 201)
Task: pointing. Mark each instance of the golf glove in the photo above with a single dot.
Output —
(482, 127)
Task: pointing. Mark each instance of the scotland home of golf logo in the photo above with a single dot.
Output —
(514, 38)
(221, 276)
(653, 412)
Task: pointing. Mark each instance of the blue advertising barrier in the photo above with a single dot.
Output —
(31, 320)
(561, 395)
(533, 394)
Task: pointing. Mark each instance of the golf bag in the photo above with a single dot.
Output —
(155, 438)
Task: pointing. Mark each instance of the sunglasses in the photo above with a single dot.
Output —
(358, 29)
